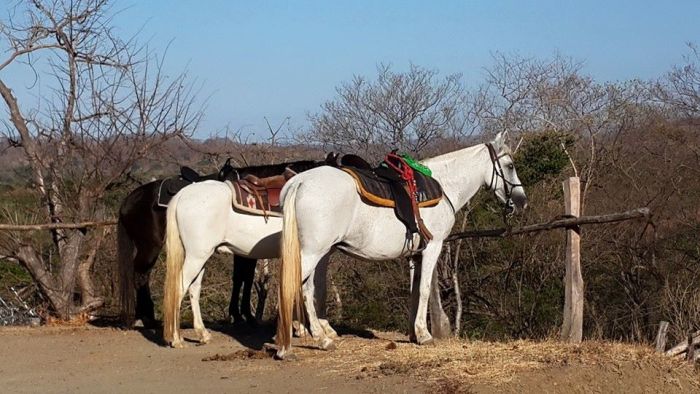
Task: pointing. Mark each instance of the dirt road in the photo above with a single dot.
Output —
(62, 360)
(97, 360)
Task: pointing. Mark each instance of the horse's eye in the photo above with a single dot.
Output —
(511, 166)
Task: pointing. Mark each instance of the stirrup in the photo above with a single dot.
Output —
(421, 243)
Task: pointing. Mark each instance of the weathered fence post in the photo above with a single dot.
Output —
(572, 329)
(661, 337)
(691, 348)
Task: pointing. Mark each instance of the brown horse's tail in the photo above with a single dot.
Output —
(125, 274)
(290, 273)
(172, 292)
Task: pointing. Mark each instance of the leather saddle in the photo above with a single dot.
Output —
(260, 196)
(394, 185)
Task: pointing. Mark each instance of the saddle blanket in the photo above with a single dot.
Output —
(377, 190)
(169, 188)
(256, 201)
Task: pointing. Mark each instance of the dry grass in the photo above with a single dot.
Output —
(79, 320)
(478, 362)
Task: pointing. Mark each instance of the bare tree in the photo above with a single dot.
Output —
(398, 110)
(680, 88)
(110, 104)
(534, 95)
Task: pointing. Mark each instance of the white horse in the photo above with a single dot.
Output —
(200, 221)
(323, 212)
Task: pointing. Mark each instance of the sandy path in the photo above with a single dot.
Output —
(90, 360)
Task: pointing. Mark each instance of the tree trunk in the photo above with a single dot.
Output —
(58, 288)
(43, 278)
(89, 298)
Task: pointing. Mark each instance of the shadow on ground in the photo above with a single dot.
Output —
(252, 336)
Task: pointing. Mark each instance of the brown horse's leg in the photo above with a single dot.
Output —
(144, 262)
(233, 309)
(243, 275)
(248, 278)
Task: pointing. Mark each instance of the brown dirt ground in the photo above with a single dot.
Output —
(90, 360)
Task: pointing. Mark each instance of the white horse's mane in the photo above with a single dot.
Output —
(460, 153)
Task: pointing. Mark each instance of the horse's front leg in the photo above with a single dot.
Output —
(195, 290)
(428, 262)
(414, 288)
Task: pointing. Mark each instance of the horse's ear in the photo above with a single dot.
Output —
(332, 158)
(499, 143)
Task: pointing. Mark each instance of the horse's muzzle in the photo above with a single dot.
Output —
(518, 201)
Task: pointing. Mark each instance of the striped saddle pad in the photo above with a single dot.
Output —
(262, 201)
(377, 190)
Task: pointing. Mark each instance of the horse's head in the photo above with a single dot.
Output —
(504, 181)
(331, 159)
(226, 170)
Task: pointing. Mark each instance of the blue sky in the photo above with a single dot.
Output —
(280, 59)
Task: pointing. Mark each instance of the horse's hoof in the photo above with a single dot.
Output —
(327, 329)
(426, 341)
(283, 355)
(299, 330)
(204, 338)
(177, 345)
(327, 344)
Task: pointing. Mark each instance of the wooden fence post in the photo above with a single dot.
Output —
(661, 337)
(572, 329)
(691, 348)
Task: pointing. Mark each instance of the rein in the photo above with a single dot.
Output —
(508, 186)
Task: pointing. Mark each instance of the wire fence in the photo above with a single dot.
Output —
(16, 311)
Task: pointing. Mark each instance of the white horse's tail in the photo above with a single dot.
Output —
(290, 273)
(175, 256)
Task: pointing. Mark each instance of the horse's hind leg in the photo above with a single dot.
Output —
(195, 290)
(317, 276)
(145, 259)
(320, 278)
(237, 279)
(248, 273)
(315, 326)
(144, 302)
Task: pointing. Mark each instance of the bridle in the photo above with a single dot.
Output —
(508, 186)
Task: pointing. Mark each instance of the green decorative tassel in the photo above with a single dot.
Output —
(416, 165)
